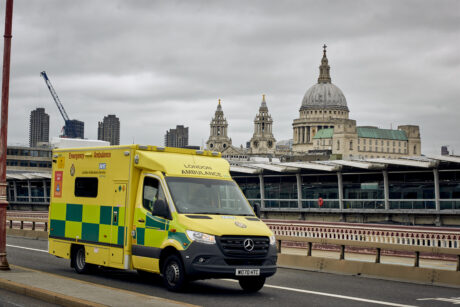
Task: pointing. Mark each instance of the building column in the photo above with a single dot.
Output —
(340, 187)
(386, 189)
(299, 190)
(45, 192)
(436, 189)
(262, 191)
(29, 191)
(305, 136)
(308, 134)
(15, 191)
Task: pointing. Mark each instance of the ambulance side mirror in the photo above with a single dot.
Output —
(257, 209)
(160, 208)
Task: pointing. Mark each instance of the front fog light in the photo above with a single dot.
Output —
(272, 240)
(201, 237)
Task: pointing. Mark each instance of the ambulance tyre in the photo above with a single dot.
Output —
(174, 273)
(79, 261)
(252, 284)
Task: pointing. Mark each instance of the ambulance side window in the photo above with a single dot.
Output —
(86, 186)
(152, 191)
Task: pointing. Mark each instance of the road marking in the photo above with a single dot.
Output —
(28, 248)
(453, 300)
(335, 295)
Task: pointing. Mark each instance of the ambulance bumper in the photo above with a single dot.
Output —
(208, 261)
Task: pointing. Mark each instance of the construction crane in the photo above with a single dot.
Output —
(70, 130)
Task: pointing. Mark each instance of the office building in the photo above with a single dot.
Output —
(74, 129)
(177, 137)
(109, 130)
(39, 127)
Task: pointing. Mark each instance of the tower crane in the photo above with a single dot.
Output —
(69, 128)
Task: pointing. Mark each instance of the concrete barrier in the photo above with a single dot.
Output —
(368, 269)
(32, 234)
(371, 269)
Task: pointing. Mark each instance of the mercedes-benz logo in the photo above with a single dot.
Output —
(248, 245)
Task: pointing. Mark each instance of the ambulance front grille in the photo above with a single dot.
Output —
(235, 246)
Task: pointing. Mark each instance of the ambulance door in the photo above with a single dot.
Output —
(150, 231)
(118, 222)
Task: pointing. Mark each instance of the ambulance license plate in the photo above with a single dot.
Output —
(247, 272)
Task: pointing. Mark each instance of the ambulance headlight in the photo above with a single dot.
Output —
(201, 237)
(272, 240)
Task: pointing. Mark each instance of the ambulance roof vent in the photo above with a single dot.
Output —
(199, 152)
(215, 153)
(160, 148)
(143, 147)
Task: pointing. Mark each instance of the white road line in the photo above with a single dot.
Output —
(28, 248)
(453, 300)
(335, 295)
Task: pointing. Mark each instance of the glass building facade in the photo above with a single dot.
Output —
(391, 189)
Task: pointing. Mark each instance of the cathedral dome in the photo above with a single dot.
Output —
(324, 94)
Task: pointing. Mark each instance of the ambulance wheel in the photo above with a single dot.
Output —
(252, 284)
(174, 273)
(79, 261)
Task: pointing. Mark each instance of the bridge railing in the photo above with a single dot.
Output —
(27, 223)
(378, 247)
(411, 236)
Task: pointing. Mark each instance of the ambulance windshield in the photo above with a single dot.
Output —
(207, 196)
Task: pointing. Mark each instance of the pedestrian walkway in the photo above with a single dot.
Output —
(73, 292)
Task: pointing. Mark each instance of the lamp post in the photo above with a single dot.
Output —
(4, 131)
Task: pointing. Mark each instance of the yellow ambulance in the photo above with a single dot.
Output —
(170, 211)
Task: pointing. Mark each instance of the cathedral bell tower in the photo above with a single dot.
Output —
(262, 141)
(218, 139)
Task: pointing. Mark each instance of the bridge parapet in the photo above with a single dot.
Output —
(439, 237)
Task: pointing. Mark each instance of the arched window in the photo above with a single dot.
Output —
(338, 144)
(415, 149)
(351, 145)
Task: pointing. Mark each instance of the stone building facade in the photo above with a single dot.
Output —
(218, 139)
(322, 130)
(263, 142)
(324, 126)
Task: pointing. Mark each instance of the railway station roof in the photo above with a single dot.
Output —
(24, 175)
(409, 163)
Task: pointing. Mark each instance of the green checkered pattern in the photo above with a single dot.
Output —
(90, 223)
(150, 236)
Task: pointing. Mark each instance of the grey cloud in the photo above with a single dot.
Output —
(156, 64)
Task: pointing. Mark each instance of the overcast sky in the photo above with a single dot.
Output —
(156, 64)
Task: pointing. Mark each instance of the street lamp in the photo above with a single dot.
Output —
(4, 131)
